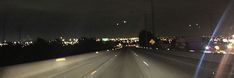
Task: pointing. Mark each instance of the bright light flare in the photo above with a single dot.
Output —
(97, 52)
(219, 24)
(60, 59)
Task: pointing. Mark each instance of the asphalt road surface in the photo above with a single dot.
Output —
(122, 63)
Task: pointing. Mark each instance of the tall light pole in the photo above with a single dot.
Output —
(145, 21)
(152, 16)
(4, 20)
(20, 33)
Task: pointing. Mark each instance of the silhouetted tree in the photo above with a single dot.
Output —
(144, 38)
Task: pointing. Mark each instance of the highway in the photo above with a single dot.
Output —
(122, 63)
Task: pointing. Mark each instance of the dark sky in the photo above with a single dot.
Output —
(97, 18)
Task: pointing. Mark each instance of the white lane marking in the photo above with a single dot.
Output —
(93, 72)
(146, 63)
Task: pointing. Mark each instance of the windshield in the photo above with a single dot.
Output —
(116, 39)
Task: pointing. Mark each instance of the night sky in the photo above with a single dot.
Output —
(51, 19)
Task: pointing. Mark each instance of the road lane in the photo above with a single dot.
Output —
(124, 66)
(159, 69)
(50, 68)
(188, 65)
(129, 64)
(123, 63)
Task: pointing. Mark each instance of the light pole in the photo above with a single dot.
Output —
(152, 16)
(4, 20)
(20, 33)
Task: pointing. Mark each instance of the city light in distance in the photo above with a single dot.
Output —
(1, 44)
(217, 47)
(125, 21)
(207, 47)
(70, 41)
(190, 25)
